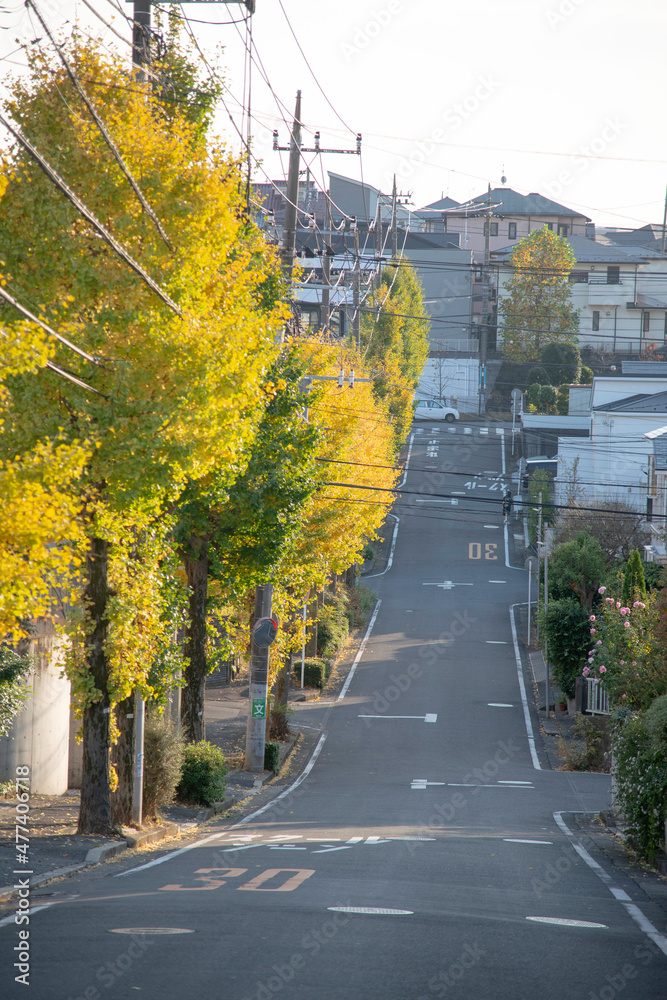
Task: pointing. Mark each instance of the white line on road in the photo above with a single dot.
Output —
(565, 922)
(499, 704)
(374, 910)
(522, 689)
(497, 642)
(632, 910)
(494, 526)
(424, 718)
(497, 581)
(360, 652)
(519, 840)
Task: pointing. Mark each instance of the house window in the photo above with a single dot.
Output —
(580, 278)
(493, 230)
(429, 226)
(562, 230)
(444, 223)
(549, 225)
(596, 320)
(646, 321)
(511, 231)
(613, 275)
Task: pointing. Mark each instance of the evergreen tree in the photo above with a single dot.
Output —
(634, 584)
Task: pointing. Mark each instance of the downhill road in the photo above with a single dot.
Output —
(427, 852)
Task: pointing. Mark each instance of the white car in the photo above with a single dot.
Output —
(431, 409)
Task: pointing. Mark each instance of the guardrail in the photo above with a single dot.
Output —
(597, 699)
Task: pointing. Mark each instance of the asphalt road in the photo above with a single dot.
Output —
(427, 851)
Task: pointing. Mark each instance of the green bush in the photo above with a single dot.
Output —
(567, 630)
(13, 688)
(203, 778)
(362, 599)
(588, 750)
(315, 674)
(538, 376)
(272, 757)
(640, 768)
(587, 375)
(163, 762)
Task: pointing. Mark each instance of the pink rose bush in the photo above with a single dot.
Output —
(626, 657)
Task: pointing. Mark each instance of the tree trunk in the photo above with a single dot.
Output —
(122, 757)
(192, 696)
(95, 811)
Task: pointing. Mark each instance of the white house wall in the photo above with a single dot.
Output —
(604, 471)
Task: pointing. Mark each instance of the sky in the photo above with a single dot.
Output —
(561, 97)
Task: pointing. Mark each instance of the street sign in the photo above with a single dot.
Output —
(265, 631)
(258, 708)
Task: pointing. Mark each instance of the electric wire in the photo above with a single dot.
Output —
(57, 180)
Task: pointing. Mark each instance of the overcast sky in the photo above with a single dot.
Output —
(563, 97)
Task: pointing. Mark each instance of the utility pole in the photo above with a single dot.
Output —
(289, 225)
(664, 223)
(255, 744)
(485, 306)
(326, 269)
(356, 290)
(378, 245)
(394, 226)
(295, 150)
(141, 36)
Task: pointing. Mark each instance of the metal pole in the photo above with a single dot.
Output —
(394, 224)
(138, 790)
(326, 266)
(483, 330)
(530, 577)
(546, 608)
(255, 744)
(303, 644)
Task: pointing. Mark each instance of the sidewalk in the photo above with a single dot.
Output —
(56, 849)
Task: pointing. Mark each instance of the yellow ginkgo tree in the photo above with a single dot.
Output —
(179, 334)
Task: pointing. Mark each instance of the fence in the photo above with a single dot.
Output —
(597, 698)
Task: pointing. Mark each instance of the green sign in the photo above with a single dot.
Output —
(258, 708)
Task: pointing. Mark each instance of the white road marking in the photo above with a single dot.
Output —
(500, 430)
(565, 922)
(424, 718)
(360, 652)
(484, 430)
(33, 909)
(284, 839)
(413, 838)
(447, 585)
(499, 704)
(436, 500)
(452, 430)
(287, 847)
(632, 910)
(494, 526)
(467, 430)
(497, 581)
(376, 910)
(519, 840)
(512, 781)
(497, 642)
(522, 689)
(620, 894)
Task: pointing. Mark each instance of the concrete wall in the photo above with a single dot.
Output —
(40, 734)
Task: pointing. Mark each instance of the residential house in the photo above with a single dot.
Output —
(612, 464)
(512, 217)
(620, 292)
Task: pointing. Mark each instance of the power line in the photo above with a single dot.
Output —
(52, 333)
(57, 180)
(103, 129)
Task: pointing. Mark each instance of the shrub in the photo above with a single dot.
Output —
(567, 629)
(333, 626)
(362, 599)
(272, 757)
(204, 773)
(538, 376)
(13, 689)
(588, 751)
(163, 761)
(563, 361)
(315, 674)
(587, 375)
(279, 724)
(640, 768)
